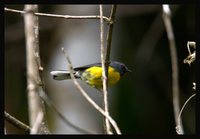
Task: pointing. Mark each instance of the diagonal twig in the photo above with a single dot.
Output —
(16, 122)
(185, 105)
(82, 91)
(68, 122)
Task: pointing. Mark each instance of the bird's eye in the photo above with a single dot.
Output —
(124, 69)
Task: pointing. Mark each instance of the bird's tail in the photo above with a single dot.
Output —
(60, 75)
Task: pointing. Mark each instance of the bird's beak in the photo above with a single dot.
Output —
(129, 70)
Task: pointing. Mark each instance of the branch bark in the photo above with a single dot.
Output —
(36, 105)
(16, 122)
(107, 127)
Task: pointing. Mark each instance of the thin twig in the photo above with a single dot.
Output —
(82, 91)
(174, 61)
(191, 44)
(192, 56)
(109, 41)
(104, 73)
(37, 123)
(16, 122)
(68, 122)
(59, 16)
(107, 58)
(109, 34)
(185, 105)
(189, 59)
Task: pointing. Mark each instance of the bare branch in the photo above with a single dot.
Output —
(59, 16)
(109, 34)
(37, 123)
(16, 122)
(174, 61)
(82, 91)
(53, 107)
(184, 107)
(33, 77)
(104, 73)
(105, 59)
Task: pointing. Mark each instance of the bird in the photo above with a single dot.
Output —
(92, 74)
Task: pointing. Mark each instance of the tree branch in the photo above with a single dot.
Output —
(53, 107)
(33, 67)
(174, 61)
(109, 34)
(16, 122)
(85, 95)
(179, 116)
(37, 123)
(59, 16)
(104, 73)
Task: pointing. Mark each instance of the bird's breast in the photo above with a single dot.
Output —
(93, 76)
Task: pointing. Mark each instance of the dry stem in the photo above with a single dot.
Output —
(59, 16)
(85, 95)
(104, 73)
(33, 77)
(174, 61)
(16, 122)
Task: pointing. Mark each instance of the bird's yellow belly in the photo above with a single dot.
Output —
(93, 76)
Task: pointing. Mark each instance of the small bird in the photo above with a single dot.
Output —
(92, 74)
